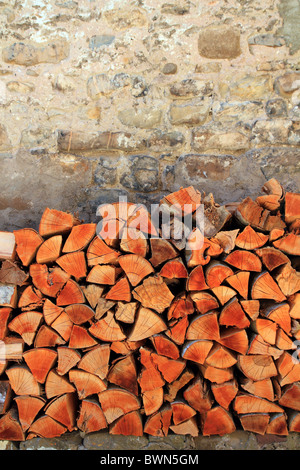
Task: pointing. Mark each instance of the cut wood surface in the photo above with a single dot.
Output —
(139, 326)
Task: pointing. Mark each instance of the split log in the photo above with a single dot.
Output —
(91, 417)
(8, 246)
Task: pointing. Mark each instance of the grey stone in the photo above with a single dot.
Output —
(4, 139)
(99, 85)
(106, 171)
(206, 139)
(274, 132)
(289, 11)
(141, 173)
(161, 140)
(230, 178)
(234, 111)
(36, 180)
(68, 441)
(190, 88)
(180, 8)
(287, 83)
(267, 39)
(104, 441)
(31, 54)
(276, 107)
(281, 163)
(169, 69)
(97, 41)
(171, 442)
(238, 440)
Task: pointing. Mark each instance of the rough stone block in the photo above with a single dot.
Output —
(251, 87)
(190, 88)
(68, 441)
(191, 113)
(206, 139)
(125, 18)
(141, 173)
(275, 132)
(287, 84)
(68, 141)
(104, 441)
(144, 118)
(219, 42)
(30, 54)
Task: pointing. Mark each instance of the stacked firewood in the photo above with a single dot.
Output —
(190, 325)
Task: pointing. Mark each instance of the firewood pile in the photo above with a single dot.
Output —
(190, 325)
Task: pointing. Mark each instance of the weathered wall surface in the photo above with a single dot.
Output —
(137, 98)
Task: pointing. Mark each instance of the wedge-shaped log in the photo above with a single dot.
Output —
(134, 241)
(164, 346)
(257, 366)
(246, 403)
(232, 314)
(198, 395)
(235, 339)
(47, 338)
(244, 260)
(130, 424)
(255, 422)
(49, 250)
(28, 409)
(47, 427)
(40, 361)
(107, 329)
(64, 410)
(22, 381)
(225, 392)
(147, 324)
(181, 411)
(161, 250)
(223, 294)
(116, 402)
(250, 239)
(125, 311)
(79, 238)
(10, 427)
(289, 244)
(216, 272)
(196, 280)
(217, 421)
(120, 291)
(91, 417)
(74, 264)
(271, 257)
(189, 427)
(196, 350)
(26, 325)
(154, 293)
(278, 425)
(54, 222)
(260, 388)
(56, 385)
(153, 400)
(204, 301)
(27, 243)
(204, 327)
(158, 424)
(80, 338)
(71, 293)
(96, 360)
(135, 267)
(100, 253)
(240, 282)
(67, 358)
(86, 384)
(264, 287)
(123, 373)
(48, 281)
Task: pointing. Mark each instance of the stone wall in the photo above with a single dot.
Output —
(108, 98)
(137, 98)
